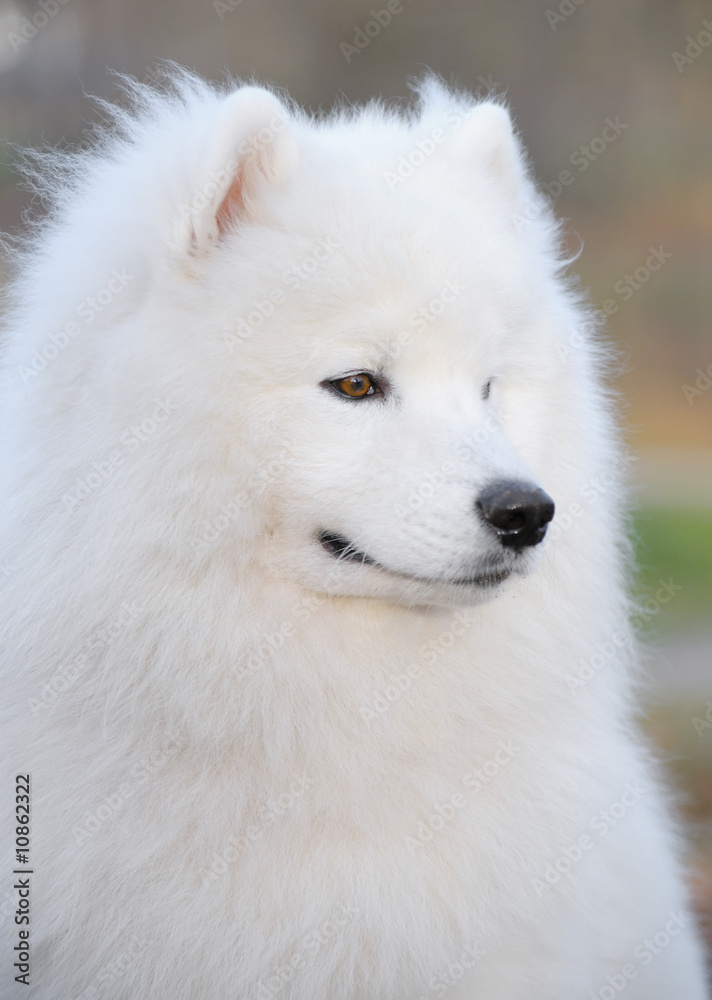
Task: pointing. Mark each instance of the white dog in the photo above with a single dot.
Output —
(317, 700)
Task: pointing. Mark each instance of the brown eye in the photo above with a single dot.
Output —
(355, 386)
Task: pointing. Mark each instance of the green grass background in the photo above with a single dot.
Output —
(677, 543)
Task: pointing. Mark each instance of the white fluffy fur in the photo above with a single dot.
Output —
(245, 660)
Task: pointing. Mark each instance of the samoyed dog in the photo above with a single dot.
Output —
(319, 681)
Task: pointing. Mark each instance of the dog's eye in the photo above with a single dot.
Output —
(355, 386)
(486, 388)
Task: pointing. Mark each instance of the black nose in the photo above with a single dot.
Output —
(519, 512)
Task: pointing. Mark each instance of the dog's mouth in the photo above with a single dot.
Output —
(344, 550)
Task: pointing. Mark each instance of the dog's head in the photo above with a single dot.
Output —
(386, 321)
(362, 320)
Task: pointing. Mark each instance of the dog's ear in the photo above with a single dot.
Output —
(250, 148)
(487, 137)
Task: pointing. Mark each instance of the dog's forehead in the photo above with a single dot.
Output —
(416, 286)
(423, 333)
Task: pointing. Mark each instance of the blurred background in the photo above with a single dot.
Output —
(614, 102)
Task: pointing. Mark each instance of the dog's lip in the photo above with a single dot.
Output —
(490, 579)
(341, 548)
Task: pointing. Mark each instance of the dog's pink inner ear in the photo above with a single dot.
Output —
(251, 149)
(232, 205)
